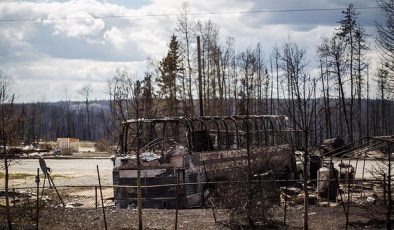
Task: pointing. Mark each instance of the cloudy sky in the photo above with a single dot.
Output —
(54, 48)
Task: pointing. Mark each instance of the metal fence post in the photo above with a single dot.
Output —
(95, 196)
(384, 189)
(177, 198)
(38, 201)
(101, 195)
(213, 209)
(285, 208)
(329, 191)
(13, 196)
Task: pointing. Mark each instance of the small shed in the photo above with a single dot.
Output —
(68, 143)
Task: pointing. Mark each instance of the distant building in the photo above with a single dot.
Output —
(68, 143)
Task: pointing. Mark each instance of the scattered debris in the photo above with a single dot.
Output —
(149, 156)
(19, 194)
(290, 191)
(347, 172)
(73, 205)
(333, 146)
(46, 198)
(371, 200)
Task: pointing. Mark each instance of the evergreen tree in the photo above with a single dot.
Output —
(170, 71)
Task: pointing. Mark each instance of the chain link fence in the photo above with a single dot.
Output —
(228, 203)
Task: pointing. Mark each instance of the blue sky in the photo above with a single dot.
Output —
(49, 59)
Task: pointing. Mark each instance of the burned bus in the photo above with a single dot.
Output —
(193, 151)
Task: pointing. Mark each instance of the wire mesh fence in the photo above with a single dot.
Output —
(225, 203)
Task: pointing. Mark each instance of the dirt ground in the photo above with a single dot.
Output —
(371, 217)
(367, 217)
(67, 219)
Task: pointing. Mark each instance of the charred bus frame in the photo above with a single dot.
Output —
(198, 149)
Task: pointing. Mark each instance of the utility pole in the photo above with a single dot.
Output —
(390, 198)
(367, 100)
(200, 77)
(139, 195)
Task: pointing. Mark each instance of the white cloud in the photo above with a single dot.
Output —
(115, 37)
(49, 77)
(80, 25)
(45, 56)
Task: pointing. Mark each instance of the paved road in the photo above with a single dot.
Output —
(64, 171)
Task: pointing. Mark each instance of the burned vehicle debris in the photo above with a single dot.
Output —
(194, 151)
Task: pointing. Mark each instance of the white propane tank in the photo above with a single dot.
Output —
(326, 183)
(323, 175)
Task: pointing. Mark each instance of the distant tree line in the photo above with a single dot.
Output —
(50, 120)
